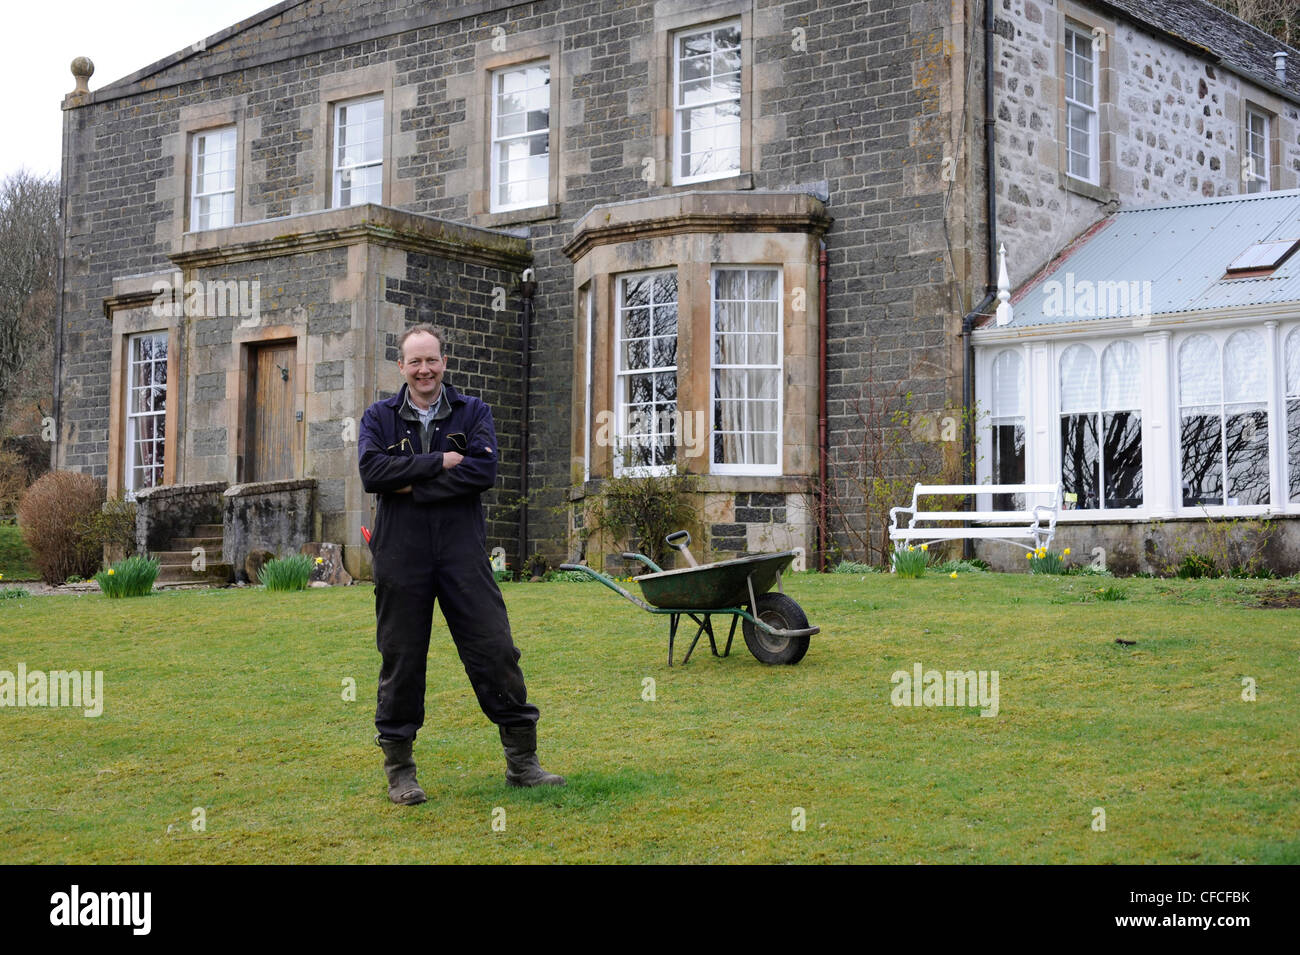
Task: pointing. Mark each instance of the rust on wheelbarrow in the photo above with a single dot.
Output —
(774, 626)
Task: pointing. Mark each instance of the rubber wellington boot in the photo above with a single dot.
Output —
(399, 764)
(522, 768)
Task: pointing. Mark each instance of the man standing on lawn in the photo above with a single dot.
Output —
(428, 453)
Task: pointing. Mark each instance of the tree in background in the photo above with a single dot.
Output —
(1278, 17)
(29, 255)
(29, 243)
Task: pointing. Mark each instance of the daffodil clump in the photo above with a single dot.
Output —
(132, 577)
(1044, 561)
(288, 573)
(911, 562)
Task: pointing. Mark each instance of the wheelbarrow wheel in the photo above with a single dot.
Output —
(781, 613)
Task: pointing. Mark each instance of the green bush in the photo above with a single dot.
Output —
(132, 577)
(287, 573)
(961, 567)
(853, 567)
(1111, 593)
(12, 593)
(1195, 566)
(911, 563)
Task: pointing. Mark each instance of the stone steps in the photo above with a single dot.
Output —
(176, 566)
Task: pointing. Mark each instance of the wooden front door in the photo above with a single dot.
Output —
(270, 449)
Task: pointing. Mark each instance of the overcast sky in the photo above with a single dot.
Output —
(40, 39)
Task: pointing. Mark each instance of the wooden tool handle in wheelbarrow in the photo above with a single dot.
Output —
(681, 541)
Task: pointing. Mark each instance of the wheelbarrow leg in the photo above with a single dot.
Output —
(672, 634)
(704, 627)
(732, 635)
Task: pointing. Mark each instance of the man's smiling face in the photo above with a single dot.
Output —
(422, 365)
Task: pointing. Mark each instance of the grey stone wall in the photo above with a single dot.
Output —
(273, 515)
(1174, 119)
(165, 513)
(1156, 547)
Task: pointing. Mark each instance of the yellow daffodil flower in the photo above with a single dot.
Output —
(953, 575)
(110, 571)
(1066, 552)
(925, 547)
(320, 560)
(1029, 557)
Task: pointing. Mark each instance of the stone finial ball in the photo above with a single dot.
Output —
(82, 66)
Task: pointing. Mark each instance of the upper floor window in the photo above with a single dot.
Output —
(1101, 426)
(146, 409)
(1081, 150)
(706, 103)
(1255, 173)
(1223, 413)
(646, 362)
(746, 312)
(359, 151)
(521, 137)
(212, 191)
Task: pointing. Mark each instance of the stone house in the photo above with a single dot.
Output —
(737, 216)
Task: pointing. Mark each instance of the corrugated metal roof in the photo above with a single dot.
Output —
(1169, 259)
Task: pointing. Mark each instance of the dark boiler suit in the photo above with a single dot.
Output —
(430, 545)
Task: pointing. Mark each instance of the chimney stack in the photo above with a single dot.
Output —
(1279, 65)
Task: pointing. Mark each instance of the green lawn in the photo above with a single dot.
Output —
(15, 556)
(230, 700)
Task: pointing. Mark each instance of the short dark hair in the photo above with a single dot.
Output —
(422, 328)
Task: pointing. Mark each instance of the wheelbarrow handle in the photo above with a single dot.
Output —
(681, 541)
(583, 568)
(628, 555)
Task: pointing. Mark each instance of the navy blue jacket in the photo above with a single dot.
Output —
(389, 459)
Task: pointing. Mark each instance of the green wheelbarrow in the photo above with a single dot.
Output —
(775, 627)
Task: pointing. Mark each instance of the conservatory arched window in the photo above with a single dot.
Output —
(1223, 412)
(1101, 426)
(1007, 424)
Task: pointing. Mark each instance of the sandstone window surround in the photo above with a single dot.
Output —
(197, 122)
(672, 93)
(319, 121)
(358, 152)
(142, 409)
(692, 237)
(1190, 419)
(521, 132)
(645, 413)
(1260, 152)
(212, 188)
(479, 181)
(1085, 111)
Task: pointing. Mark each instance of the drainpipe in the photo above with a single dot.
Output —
(528, 288)
(991, 286)
(823, 272)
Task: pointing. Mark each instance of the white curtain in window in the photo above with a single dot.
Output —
(1008, 385)
(1078, 380)
(1198, 372)
(1245, 376)
(1121, 377)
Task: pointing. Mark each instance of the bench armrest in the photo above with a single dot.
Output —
(893, 516)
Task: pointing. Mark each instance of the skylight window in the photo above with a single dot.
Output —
(1262, 258)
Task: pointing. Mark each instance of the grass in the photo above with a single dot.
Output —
(234, 701)
(16, 561)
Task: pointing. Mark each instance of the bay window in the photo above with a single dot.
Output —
(1291, 408)
(746, 376)
(646, 372)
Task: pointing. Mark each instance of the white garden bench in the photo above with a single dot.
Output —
(1036, 524)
